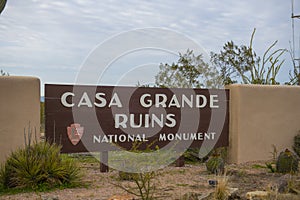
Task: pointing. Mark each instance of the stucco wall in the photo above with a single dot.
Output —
(19, 106)
(261, 116)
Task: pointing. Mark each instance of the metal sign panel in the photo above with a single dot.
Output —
(102, 118)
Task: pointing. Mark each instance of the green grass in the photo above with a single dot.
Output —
(258, 166)
(85, 158)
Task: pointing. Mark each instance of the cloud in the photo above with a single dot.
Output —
(51, 35)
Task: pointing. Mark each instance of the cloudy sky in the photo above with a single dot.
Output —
(52, 39)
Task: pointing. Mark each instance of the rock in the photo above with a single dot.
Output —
(122, 197)
(282, 183)
(257, 195)
(233, 190)
(212, 182)
(233, 195)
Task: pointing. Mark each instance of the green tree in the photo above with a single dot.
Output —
(2, 5)
(190, 71)
(242, 63)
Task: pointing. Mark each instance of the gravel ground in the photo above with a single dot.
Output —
(171, 183)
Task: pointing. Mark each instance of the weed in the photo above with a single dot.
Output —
(222, 188)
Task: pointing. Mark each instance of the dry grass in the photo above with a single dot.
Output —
(222, 188)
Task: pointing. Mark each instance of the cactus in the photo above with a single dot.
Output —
(287, 162)
(215, 164)
(296, 146)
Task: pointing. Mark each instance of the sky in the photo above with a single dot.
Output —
(53, 39)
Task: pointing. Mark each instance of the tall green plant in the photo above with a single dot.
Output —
(242, 63)
(294, 75)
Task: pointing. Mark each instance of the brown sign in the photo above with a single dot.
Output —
(104, 118)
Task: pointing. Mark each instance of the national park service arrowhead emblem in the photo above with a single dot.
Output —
(75, 132)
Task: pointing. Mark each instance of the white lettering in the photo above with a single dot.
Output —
(158, 121)
(143, 103)
(162, 137)
(96, 139)
(63, 99)
(85, 101)
(174, 102)
(104, 139)
(189, 102)
(160, 100)
(121, 123)
(102, 100)
(122, 138)
(172, 121)
(132, 123)
(213, 99)
(115, 101)
(170, 137)
(198, 100)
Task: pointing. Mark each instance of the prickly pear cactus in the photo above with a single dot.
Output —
(215, 164)
(287, 162)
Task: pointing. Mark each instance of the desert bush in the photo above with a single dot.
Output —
(144, 184)
(296, 146)
(37, 166)
(287, 162)
(139, 172)
(215, 164)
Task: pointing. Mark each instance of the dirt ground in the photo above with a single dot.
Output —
(171, 183)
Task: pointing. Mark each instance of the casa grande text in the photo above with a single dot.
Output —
(99, 100)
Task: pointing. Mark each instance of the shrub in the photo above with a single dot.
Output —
(287, 162)
(138, 171)
(37, 166)
(144, 187)
(215, 164)
(296, 146)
